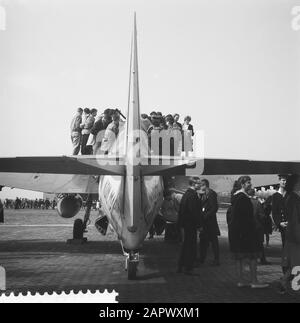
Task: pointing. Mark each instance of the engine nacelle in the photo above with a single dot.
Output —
(69, 206)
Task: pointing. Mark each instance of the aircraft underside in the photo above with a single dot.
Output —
(130, 222)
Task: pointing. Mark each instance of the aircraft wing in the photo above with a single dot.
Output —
(223, 184)
(76, 174)
(207, 166)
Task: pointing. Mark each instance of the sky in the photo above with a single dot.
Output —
(234, 66)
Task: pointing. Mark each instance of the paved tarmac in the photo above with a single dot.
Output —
(35, 255)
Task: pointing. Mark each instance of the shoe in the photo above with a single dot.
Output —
(243, 285)
(259, 285)
(281, 290)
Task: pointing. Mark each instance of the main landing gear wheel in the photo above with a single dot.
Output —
(78, 229)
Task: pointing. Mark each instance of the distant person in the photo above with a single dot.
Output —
(259, 216)
(145, 122)
(152, 114)
(47, 204)
(171, 205)
(187, 133)
(189, 221)
(111, 133)
(36, 204)
(236, 187)
(169, 211)
(153, 119)
(173, 136)
(268, 221)
(86, 130)
(176, 121)
(17, 203)
(291, 251)
(278, 209)
(155, 135)
(162, 121)
(98, 130)
(210, 230)
(76, 131)
(86, 113)
(1, 212)
(244, 243)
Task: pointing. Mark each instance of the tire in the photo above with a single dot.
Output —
(131, 270)
(78, 229)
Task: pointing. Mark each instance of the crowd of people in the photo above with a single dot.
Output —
(250, 219)
(246, 227)
(24, 203)
(38, 204)
(96, 135)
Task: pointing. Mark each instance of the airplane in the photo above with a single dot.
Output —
(130, 186)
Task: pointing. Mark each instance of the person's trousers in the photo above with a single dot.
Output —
(84, 141)
(205, 241)
(1, 216)
(76, 140)
(152, 230)
(188, 252)
(282, 232)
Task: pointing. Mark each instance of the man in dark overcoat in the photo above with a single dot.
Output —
(189, 220)
(210, 231)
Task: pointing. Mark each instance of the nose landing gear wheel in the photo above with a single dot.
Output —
(131, 270)
(132, 262)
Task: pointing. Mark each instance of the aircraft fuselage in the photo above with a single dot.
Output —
(130, 215)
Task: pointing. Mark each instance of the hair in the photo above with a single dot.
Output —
(159, 114)
(236, 187)
(176, 115)
(87, 111)
(280, 176)
(107, 112)
(144, 116)
(187, 118)
(163, 122)
(116, 116)
(169, 118)
(79, 110)
(205, 181)
(193, 180)
(244, 179)
(152, 113)
(94, 110)
(291, 182)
